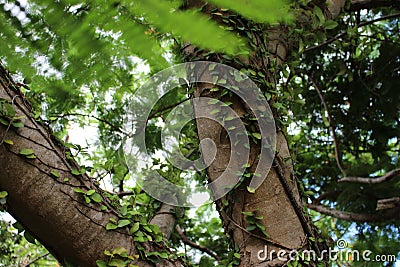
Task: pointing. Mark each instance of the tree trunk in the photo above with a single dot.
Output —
(277, 201)
(44, 202)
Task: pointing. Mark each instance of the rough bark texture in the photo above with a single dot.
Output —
(46, 205)
(271, 200)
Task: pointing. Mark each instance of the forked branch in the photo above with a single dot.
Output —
(195, 245)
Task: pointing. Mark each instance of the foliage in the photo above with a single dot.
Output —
(16, 251)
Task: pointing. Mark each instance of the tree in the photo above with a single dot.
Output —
(310, 69)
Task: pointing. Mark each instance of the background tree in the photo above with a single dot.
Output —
(335, 97)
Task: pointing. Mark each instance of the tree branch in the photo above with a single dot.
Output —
(380, 216)
(387, 203)
(36, 259)
(331, 127)
(374, 180)
(158, 112)
(194, 245)
(329, 195)
(165, 219)
(125, 193)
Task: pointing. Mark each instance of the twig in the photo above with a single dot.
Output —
(5, 134)
(373, 180)
(194, 245)
(331, 127)
(125, 193)
(268, 240)
(161, 110)
(36, 259)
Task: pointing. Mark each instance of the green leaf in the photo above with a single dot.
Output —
(134, 228)
(96, 197)
(202, 31)
(122, 223)
(260, 226)
(55, 174)
(117, 263)
(3, 121)
(147, 228)
(229, 118)
(10, 111)
(236, 255)
(251, 227)
(3, 194)
(120, 251)
(26, 152)
(124, 210)
(256, 135)
(17, 124)
(214, 111)
(264, 232)
(318, 12)
(258, 10)
(309, 193)
(8, 141)
(251, 190)
(101, 263)
(79, 191)
(75, 172)
(90, 192)
(29, 237)
(330, 24)
(212, 101)
(87, 199)
(111, 226)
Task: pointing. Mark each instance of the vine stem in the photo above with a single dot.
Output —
(4, 137)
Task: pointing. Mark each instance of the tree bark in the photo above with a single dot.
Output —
(45, 203)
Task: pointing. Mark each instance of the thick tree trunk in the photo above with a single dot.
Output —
(44, 202)
(277, 201)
